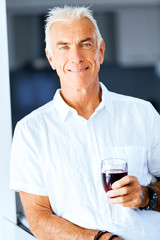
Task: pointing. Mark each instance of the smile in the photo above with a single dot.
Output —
(78, 70)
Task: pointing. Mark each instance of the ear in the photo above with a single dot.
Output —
(101, 52)
(50, 59)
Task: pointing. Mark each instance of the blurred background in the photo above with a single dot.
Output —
(131, 30)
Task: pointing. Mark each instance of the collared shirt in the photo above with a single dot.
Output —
(57, 153)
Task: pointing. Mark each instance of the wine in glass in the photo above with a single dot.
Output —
(112, 170)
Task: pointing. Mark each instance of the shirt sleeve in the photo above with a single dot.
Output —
(26, 167)
(154, 142)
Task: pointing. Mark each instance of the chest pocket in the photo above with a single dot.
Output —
(136, 157)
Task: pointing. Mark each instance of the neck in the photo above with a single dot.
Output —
(84, 100)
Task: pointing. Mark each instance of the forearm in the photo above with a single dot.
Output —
(45, 225)
(48, 226)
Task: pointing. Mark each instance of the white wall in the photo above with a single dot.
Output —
(7, 198)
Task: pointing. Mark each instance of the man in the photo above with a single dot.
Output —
(57, 150)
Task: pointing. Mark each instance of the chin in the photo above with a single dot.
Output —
(81, 83)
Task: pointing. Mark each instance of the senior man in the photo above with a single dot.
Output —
(57, 149)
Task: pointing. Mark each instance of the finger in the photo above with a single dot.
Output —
(119, 192)
(130, 199)
(125, 201)
(124, 181)
(117, 200)
(132, 203)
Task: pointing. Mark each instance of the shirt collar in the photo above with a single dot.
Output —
(106, 99)
(63, 108)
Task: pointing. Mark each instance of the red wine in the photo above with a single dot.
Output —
(110, 178)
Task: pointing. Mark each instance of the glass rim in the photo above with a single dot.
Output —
(108, 165)
(121, 159)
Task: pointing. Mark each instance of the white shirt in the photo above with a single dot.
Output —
(57, 153)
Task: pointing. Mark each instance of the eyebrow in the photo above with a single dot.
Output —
(87, 40)
(60, 43)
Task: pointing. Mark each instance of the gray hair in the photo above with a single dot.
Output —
(58, 14)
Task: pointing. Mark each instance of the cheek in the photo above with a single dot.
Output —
(59, 59)
(59, 63)
(96, 61)
(60, 68)
(95, 57)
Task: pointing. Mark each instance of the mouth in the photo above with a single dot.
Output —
(78, 70)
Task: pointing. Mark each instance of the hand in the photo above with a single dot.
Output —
(128, 192)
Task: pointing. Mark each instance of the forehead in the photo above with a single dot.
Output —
(72, 30)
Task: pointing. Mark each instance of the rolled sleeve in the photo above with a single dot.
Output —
(26, 166)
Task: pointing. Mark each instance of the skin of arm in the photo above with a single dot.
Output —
(129, 193)
(45, 225)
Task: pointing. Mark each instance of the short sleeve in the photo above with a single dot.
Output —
(154, 141)
(26, 167)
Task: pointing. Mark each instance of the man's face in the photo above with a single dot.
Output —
(75, 54)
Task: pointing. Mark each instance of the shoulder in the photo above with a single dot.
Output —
(121, 102)
(128, 101)
(38, 117)
(133, 107)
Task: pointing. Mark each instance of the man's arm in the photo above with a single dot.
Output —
(129, 193)
(45, 225)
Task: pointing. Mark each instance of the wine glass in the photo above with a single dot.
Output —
(112, 169)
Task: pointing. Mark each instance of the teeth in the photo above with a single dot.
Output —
(78, 70)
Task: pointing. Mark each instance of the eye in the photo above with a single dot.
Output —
(63, 48)
(86, 44)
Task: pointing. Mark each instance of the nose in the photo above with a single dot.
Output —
(76, 55)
